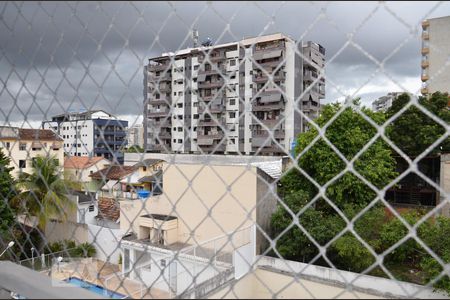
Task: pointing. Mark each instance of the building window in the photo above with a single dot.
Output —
(22, 164)
(179, 105)
(22, 146)
(232, 101)
(7, 145)
(232, 62)
(196, 67)
(233, 141)
(180, 93)
(174, 140)
(174, 93)
(232, 115)
(180, 129)
(180, 141)
(195, 116)
(91, 208)
(144, 168)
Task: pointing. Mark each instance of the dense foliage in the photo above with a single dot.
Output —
(7, 218)
(413, 131)
(319, 223)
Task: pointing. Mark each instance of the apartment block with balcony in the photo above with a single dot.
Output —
(238, 98)
(91, 133)
(22, 145)
(435, 55)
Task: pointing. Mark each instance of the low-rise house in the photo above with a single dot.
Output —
(22, 145)
(128, 181)
(78, 168)
(207, 223)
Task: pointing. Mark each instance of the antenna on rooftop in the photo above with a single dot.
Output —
(195, 37)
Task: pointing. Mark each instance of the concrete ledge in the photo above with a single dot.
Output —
(363, 283)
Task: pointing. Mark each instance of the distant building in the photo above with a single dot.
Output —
(79, 168)
(240, 97)
(91, 133)
(136, 136)
(383, 103)
(435, 55)
(23, 145)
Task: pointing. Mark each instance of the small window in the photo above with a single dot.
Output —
(196, 67)
(180, 129)
(7, 145)
(232, 62)
(22, 164)
(180, 141)
(179, 105)
(174, 93)
(232, 101)
(22, 146)
(195, 116)
(174, 140)
(144, 168)
(180, 93)
(91, 208)
(195, 79)
(232, 115)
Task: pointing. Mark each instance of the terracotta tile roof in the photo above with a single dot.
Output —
(81, 162)
(108, 209)
(115, 172)
(38, 134)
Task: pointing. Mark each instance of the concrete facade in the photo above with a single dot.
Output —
(23, 145)
(135, 136)
(91, 133)
(435, 55)
(239, 97)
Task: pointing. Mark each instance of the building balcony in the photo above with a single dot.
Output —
(269, 48)
(208, 98)
(160, 124)
(158, 67)
(425, 64)
(214, 70)
(266, 107)
(266, 134)
(263, 78)
(162, 113)
(164, 101)
(211, 84)
(162, 77)
(425, 24)
(268, 65)
(270, 123)
(212, 109)
(425, 50)
(425, 36)
(213, 123)
(425, 77)
(164, 135)
(215, 136)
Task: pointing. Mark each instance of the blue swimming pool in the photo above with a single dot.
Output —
(94, 288)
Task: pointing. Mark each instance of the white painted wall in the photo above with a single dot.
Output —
(248, 97)
(106, 242)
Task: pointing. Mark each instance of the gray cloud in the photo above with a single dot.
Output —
(50, 59)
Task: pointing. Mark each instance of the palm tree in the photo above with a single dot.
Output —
(43, 193)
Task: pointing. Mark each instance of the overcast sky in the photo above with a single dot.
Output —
(58, 56)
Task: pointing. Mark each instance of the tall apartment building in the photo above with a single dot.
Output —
(240, 97)
(435, 55)
(135, 135)
(90, 133)
(384, 102)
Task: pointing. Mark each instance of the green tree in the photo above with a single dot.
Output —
(349, 133)
(135, 149)
(7, 191)
(413, 131)
(43, 193)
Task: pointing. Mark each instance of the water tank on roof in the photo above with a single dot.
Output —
(207, 42)
(143, 194)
